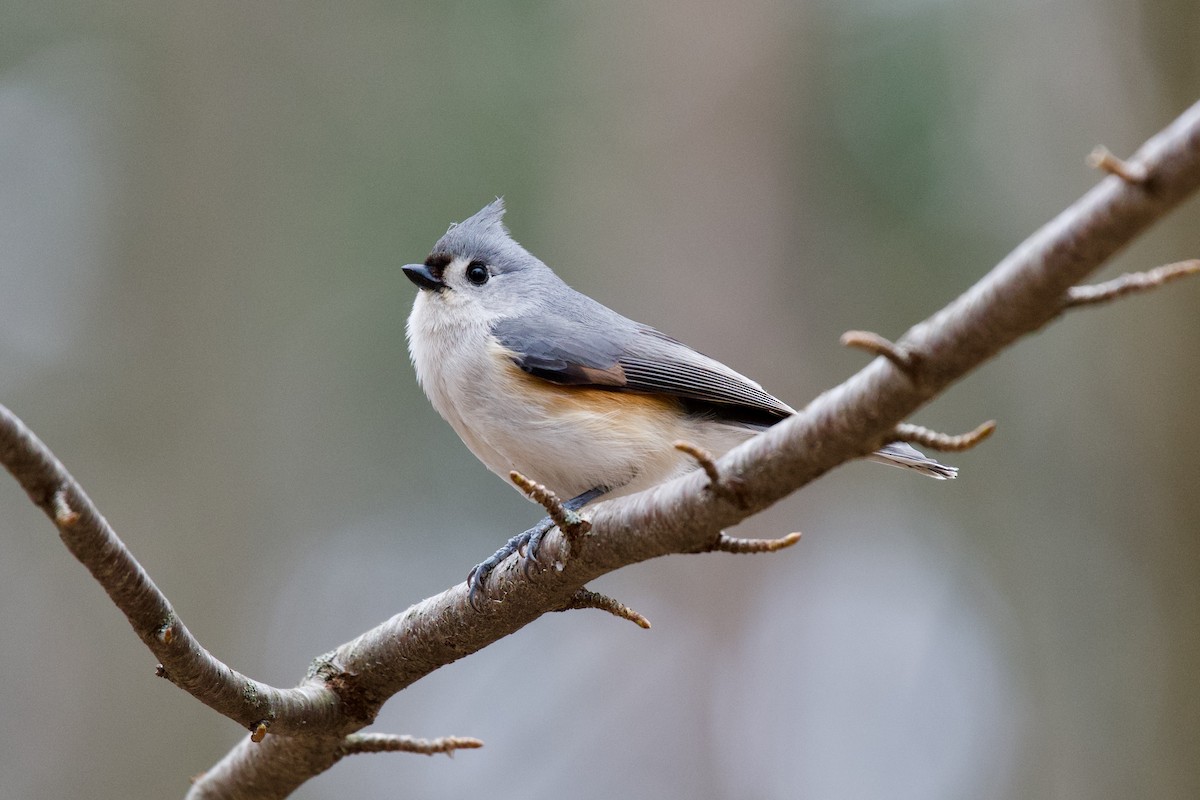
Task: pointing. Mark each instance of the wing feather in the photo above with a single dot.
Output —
(626, 356)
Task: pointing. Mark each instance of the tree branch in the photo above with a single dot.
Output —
(345, 689)
(935, 440)
(586, 598)
(1129, 283)
(183, 660)
(357, 743)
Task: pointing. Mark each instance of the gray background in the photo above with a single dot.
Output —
(203, 208)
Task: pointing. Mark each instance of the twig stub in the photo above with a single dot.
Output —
(727, 488)
(906, 360)
(1102, 159)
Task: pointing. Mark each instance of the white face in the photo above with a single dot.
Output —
(470, 286)
(463, 308)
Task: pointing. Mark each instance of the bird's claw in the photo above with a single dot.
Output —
(525, 544)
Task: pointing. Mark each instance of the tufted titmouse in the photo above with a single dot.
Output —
(538, 378)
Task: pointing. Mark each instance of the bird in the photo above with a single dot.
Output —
(539, 379)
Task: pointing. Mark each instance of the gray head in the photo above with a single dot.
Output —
(477, 262)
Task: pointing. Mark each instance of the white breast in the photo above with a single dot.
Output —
(571, 439)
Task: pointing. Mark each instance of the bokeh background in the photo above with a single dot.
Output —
(203, 209)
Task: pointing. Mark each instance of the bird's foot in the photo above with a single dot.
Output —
(526, 543)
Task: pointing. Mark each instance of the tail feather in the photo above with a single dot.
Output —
(899, 454)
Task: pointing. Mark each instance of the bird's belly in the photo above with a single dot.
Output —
(573, 439)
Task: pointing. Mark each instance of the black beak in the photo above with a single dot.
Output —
(422, 277)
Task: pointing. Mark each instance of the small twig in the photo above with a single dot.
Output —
(1102, 159)
(723, 487)
(568, 521)
(357, 743)
(586, 598)
(259, 732)
(1129, 283)
(732, 544)
(704, 459)
(935, 440)
(907, 361)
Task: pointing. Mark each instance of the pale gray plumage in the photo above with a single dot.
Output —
(461, 334)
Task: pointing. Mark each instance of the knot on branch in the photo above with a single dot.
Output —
(356, 702)
(64, 515)
(166, 632)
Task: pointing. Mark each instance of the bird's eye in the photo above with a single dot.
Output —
(477, 273)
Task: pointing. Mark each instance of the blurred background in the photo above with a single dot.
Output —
(203, 211)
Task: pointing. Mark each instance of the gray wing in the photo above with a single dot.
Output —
(621, 355)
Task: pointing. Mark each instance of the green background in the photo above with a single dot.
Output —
(203, 211)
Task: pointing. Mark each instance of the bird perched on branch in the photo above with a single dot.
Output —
(542, 380)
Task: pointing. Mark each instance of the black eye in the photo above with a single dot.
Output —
(477, 273)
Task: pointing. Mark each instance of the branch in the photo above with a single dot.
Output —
(731, 544)
(357, 743)
(1019, 296)
(1101, 158)
(586, 598)
(907, 361)
(935, 440)
(1129, 283)
(183, 660)
(568, 521)
(345, 689)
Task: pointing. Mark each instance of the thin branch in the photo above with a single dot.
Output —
(935, 440)
(1129, 283)
(357, 743)
(586, 598)
(732, 544)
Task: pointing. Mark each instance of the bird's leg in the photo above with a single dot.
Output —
(527, 543)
